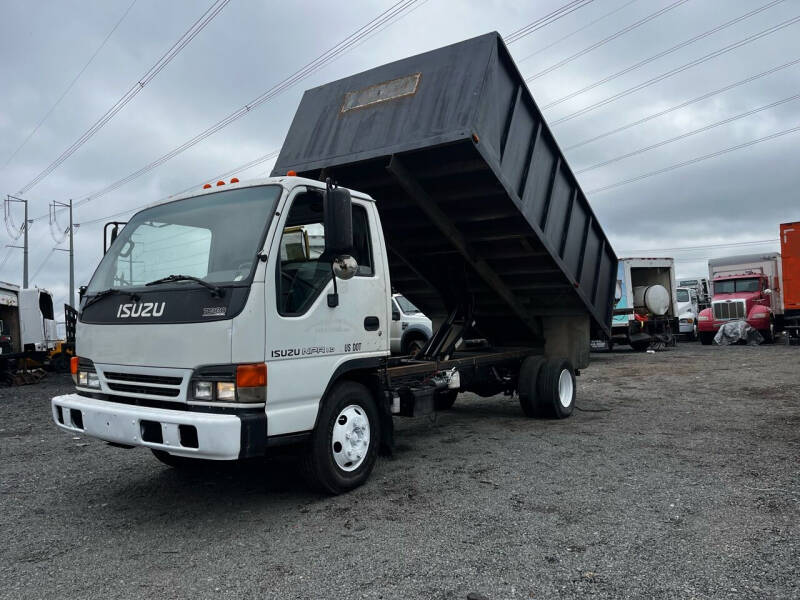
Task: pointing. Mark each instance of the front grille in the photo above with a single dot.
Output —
(136, 378)
(726, 311)
(141, 389)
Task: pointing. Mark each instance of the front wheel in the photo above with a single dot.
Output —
(344, 445)
(706, 338)
(640, 346)
(768, 334)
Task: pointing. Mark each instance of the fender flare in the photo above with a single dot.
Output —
(365, 370)
(415, 329)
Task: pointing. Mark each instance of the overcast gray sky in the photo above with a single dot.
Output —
(250, 46)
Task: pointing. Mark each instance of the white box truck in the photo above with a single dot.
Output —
(647, 310)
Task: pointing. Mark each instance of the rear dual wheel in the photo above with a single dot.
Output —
(547, 387)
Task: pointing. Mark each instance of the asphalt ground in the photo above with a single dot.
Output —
(677, 478)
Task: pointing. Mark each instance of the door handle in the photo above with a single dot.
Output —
(371, 323)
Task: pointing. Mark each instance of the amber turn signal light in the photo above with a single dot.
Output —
(251, 375)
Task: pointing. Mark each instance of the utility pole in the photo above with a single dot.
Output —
(25, 250)
(71, 250)
(25, 226)
(71, 301)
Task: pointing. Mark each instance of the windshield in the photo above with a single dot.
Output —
(215, 237)
(683, 295)
(730, 286)
(406, 306)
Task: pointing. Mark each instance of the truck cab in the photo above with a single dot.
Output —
(410, 329)
(687, 311)
(745, 296)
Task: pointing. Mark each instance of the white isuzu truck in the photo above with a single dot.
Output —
(211, 331)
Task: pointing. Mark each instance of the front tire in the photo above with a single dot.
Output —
(640, 346)
(706, 338)
(344, 445)
(768, 334)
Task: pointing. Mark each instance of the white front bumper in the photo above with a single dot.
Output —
(218, 435)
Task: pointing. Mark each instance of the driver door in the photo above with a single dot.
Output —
(306, 338)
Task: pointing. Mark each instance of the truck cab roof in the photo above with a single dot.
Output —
(287, 182)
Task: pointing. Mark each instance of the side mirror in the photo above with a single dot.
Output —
(81, 292)
(395, 315)
(338, 218)
(768, 292)
(345, 267)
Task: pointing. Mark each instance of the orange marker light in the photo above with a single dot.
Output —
(207, 186)
(235, 180)
(220, 182)
(291, 173)
(251, 375)
(73, 365)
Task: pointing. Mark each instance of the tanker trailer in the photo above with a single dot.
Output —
(646, 313)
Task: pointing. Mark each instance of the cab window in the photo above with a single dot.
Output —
(303, 269)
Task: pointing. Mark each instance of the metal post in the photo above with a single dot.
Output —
(71, 301)
(25, 250)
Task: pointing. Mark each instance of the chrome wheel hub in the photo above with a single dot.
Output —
(566, 388)
(350, 440)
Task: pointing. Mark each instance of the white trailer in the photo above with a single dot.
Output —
(27, 319)
(647, 310)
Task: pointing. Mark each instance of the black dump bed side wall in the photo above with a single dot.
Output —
(475, 196)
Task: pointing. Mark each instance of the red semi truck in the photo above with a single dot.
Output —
(748, 288)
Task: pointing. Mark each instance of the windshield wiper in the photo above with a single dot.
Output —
(215, 290)
(98, 296)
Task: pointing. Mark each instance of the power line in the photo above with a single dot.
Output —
(703, 246)
(43, 263)
(688, 134)
(696, 160)
(69, 87)
(546, 20)
(604, 41)
(747, 40)
(345, 45)
(137, 87)
(569, 35)
(662, 54)
(684, 104)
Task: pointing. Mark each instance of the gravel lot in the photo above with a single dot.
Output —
(678, 479)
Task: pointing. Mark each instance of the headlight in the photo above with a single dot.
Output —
(203, 390)
(226, 391)
(230, 383)
(88, 379)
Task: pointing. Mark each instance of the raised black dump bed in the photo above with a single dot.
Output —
(478, 204)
